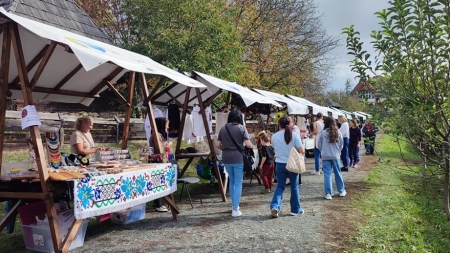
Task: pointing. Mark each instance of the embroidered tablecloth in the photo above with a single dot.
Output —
(113, 192)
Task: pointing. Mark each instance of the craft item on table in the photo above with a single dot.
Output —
(145, 153)
(105, 155)
(109, 193)
(79, 159)
(53, 143)
(123, 154)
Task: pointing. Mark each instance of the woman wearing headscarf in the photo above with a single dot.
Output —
(234, 132)
(330, 145)
(282, 142)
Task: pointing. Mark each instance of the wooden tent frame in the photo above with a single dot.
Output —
(44, 191)
(191, 156)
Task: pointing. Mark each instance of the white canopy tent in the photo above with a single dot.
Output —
(292, 106)
(250, 97)
(86, 63)
(316, 108)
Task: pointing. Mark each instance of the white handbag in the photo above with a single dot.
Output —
(296, 162)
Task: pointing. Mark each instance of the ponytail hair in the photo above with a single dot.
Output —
(283, 122)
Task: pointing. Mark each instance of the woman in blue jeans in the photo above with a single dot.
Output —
(282, 141)
(330, 145)
(232, 155)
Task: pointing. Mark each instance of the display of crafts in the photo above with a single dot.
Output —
(105, 155)
(53, 143)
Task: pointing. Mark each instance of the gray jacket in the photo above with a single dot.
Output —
(330, 151)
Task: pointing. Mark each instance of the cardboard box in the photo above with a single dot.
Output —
(129, 215)
(9, 170)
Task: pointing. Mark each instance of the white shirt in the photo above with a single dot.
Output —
(345, 130)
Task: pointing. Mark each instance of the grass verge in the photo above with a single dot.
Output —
(401, 212)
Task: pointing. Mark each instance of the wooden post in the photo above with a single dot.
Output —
(183, 119)
(169, 199)
(126, 124)
(4, 74)
(211, 146)
(36, 136)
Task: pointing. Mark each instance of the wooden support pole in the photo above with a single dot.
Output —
(32, 63)
(48, 53)
(183, 119)
(211, 146)
(10, 215)
(117, 93)
(76, 224)
(126, 124)
(155, 90)
(4, 74)
(170, 199)
(35, 135)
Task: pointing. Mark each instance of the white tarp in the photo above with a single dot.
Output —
(293, 107)
(316, 108)
(97, 58)
(250, 97)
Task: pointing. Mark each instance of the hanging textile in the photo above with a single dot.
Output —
(173, 113)
(198, 128)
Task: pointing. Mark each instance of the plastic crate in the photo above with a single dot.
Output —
(129, 215)
(9, 170)
(39, 238)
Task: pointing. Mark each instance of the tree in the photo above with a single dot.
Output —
(413, 59)
(186, 35)
(286, 46)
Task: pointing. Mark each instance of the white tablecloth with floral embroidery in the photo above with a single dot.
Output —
(113, 192)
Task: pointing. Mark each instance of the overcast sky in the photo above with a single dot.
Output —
(337, 14)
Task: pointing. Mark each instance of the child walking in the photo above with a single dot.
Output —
(266, 166)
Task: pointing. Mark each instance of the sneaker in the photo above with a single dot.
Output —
(315, 172)
(328, 196)
(274, 213)
(265, 191)
(295, 214)
(344, 169)
(342, 194)
(161, 209)
(236, 213)
(355, 165)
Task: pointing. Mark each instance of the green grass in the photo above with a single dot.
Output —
(401, 212)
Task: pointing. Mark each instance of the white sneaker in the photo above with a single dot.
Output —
(236, 213)
(342, 194)
(274, 213)
(315, 172)
(161, 209)
(328, 196)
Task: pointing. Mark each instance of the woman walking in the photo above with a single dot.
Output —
(282, 141)
(345, 132)
(354, 143)
(234, 132)
(330, 145)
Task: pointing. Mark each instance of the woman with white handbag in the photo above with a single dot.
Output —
(282, 142)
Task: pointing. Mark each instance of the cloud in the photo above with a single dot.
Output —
(337, 14)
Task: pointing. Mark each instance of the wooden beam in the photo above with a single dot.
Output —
(210, 143)
(100, 85)
(151, 117)
(155, 89)
(211, 99)
(48, 53)
(4, 74)
(28, 100)
(165, 90)
(126, 124)
(76, 224)
(174, 99)
(68, 77)
(56, 92)
(52, 218)
(22, 195)
(10, 215)
(190, 100)
(117, 93)
(183, 120)
(32, 63)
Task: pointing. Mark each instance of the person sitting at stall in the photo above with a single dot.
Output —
(82, 144)
(162, 125)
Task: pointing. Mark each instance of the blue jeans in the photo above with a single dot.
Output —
(344, 153)
(317, 159)
(236, 174)
(277, 200)
(330, 166)
(357, 155)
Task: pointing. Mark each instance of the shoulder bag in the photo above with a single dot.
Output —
(248, 159)
(296, 161)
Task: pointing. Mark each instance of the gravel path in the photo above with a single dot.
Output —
(209, 227)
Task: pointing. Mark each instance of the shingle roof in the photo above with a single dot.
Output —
(64, 14)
